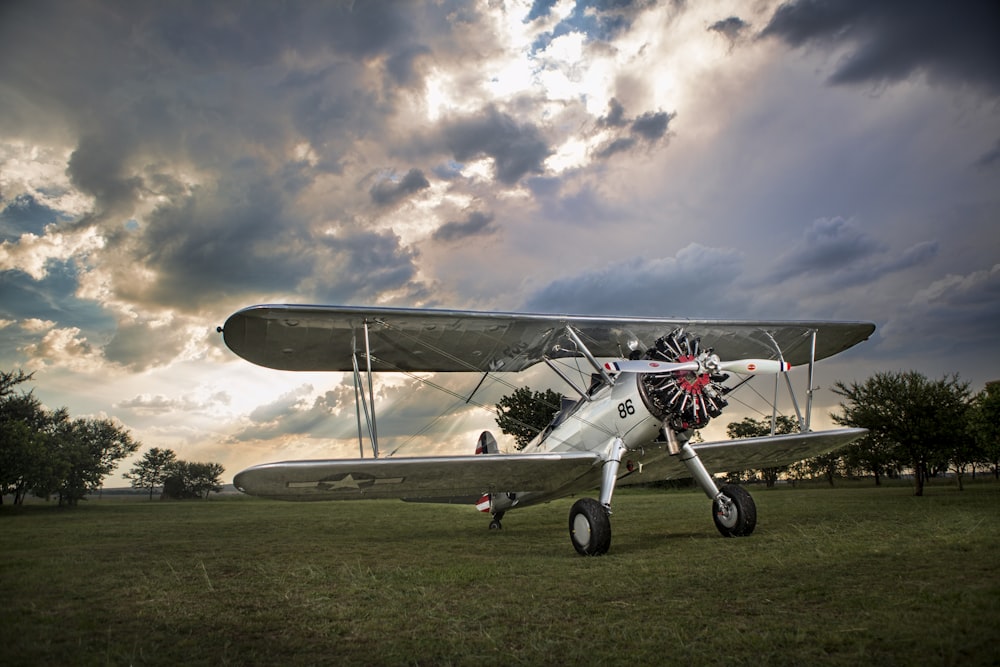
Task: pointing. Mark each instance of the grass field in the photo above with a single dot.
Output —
(838, 576)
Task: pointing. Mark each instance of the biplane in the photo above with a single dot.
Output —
(652, 383)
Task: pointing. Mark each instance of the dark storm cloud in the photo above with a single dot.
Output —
(390, 189)
(990, 158)
(198, 107)
(731, 28)
(356, 266)
(97, 167)
(140, 346)
(648, 128)
(475, 224)
(954, 42)
(948, 318)
(402, 66)
(517, 149)
(698, 282)
(616, 115)
(840, 253)
(652, 125)
(235, 237)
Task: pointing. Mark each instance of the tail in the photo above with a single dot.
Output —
(486, 444)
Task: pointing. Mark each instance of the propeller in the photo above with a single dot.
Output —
(705, 363)
(681, 382)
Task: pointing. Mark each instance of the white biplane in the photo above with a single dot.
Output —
(631, 423)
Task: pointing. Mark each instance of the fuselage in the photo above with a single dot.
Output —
(593, 424)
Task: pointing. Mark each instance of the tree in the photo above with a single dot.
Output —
(751, 428)
(86, 450)
(25, 429)
(192, 480)
(524, 413)
(873, 453)
(918, 418)
(47, 453)
(984, 426)
(150, 471)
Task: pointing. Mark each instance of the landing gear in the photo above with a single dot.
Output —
(734, 512)
(589, 527)
(495, 523)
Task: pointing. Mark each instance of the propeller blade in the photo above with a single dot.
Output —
(651, 366)
(743, 366)
(754, 366)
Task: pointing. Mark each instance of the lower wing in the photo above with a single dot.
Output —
(432, 477)
(750, 454)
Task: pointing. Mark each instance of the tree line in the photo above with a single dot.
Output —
(178, 479)
(917, 425)
(46, 453)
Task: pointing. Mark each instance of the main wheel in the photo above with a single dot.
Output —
(738, 516)
(589, 527)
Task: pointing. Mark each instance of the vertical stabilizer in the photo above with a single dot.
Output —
(486, 444)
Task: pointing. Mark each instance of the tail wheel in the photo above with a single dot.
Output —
(734, 513)
(589, 527)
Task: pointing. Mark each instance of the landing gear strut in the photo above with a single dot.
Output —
(733, 510)
(589, 519)
(495, 523)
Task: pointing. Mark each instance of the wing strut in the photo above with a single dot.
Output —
(590, 357)
(565, 378)
(365, 402)
(809, 391)
(804, 422)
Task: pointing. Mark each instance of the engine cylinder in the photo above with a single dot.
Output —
(683, 400)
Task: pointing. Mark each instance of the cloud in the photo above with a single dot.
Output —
(890, 41)
(517, 149)
(948, 317)
(697, 282)
(646, 129)
(476, 223)
(32, 254)
(390, 189)
(358, 266)
(140, 345)
(161, 404)
(65, 348)
(732, 28)
(839, 252)
(990, 158)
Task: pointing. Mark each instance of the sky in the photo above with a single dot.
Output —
(163, 164)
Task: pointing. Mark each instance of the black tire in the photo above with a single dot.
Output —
(740, 517)
(589, 527)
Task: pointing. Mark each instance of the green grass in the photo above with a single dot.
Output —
(834, 575)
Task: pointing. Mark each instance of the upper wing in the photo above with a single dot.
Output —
(417, 477)
(325, 338)
(751, 453)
